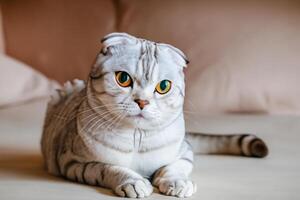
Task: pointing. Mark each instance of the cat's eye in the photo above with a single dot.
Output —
(163, 87)
(123, 79)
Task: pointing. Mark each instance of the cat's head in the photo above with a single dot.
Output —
(140, 82)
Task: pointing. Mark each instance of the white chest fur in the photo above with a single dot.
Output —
(140, 150)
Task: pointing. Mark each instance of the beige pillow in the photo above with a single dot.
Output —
(245, 55)
(58, 38)
(20, 83)
(1, 33)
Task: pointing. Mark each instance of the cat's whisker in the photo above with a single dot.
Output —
(105, 105)
(115, 121)
(100, 114)
(109, 121)
(99, 108)
(67, 111)
(101, 117)
(105, 122)
(96, 115)
(117, 124)
(91, 117)
(67, 114)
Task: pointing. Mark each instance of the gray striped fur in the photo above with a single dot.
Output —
(234, 144)
(86, 140)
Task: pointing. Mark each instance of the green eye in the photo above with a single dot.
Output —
(123, 79)
(163, 87)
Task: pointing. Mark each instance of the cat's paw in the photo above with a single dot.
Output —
(136, 188)
(177, 187)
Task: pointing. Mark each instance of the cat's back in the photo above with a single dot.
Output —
(61, 112)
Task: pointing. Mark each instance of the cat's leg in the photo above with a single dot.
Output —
(123, 181)
(173, 179)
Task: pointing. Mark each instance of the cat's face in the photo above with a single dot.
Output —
(141, 82)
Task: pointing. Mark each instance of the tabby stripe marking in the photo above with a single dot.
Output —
(245, 145)
(68, 165)
(250, 144)
(83, 172)
(240, 143)
(102, 173)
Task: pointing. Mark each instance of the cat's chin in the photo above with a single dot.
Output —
(139, 121)
(147, 122)
(137, 116)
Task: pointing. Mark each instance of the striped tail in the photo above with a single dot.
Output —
(242, 144)
(67, 90)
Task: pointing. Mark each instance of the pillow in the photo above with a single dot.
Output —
(58, 38)
(244, 55)
(1, 34)
(20, 83)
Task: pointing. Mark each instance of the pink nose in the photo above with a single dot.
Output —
(141, 103)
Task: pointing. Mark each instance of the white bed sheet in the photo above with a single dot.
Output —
(218, 177)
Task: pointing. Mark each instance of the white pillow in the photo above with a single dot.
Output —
(20, 83)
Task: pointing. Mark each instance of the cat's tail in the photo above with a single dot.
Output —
(240, 144)
(69, 88)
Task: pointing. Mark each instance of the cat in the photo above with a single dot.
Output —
(124, 129)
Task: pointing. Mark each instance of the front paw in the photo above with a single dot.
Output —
(135, 188)
(177, 187)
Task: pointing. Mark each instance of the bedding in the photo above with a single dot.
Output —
(244, 54)
(1, 34)
(22, 175)
(20, 83)
(58, 38)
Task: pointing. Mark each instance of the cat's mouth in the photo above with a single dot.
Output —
(139, 116)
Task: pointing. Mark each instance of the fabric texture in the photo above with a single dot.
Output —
(20, 83)
(244, 55)
(23, 177)
(2, 44)
(58, 38)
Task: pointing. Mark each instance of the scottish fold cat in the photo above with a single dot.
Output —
(123, 128)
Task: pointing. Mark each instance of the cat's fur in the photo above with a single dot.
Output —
(94, 132)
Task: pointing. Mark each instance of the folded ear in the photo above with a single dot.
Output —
(113, 39)
(110, 40)
(176, 54)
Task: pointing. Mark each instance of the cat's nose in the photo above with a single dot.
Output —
(141, 103)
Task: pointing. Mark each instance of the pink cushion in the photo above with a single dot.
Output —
(58, 38)
(245, 56)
